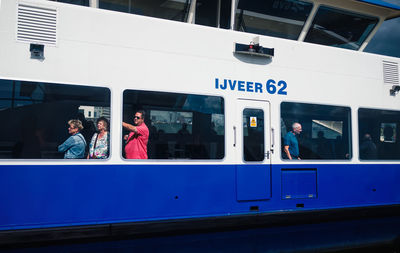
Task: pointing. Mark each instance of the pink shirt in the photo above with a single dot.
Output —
(136, 148)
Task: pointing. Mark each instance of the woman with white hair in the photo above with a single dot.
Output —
(74, 146)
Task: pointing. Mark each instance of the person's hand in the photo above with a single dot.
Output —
(126, 137)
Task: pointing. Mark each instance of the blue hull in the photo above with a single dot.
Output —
(70, 195)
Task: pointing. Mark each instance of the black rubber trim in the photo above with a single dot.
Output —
(122, 231)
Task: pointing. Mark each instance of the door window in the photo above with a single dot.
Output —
(253, 134)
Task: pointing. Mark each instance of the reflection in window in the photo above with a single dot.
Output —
(278, 18)
(168, 9)
(339, 28)
(326, 130)
(35, 116)
(378, 134)
(253, 134)
(77, 2)
(172, 122)
(181, 126)
(388, 132)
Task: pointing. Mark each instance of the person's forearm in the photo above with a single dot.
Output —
(129, 127)
(286, 149)
(64, 147)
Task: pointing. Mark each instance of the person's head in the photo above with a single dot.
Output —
(139, 118)
(296, 128)
(367, 137)
(102, 124)
(75, 126)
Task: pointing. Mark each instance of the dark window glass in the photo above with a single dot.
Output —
(339, 28)
(278, 18)
(379, 132)
(326, 130)
(181, 126)
(116, 5)
(35, 116)
(169, 9)
(225, 14)
(253, 135)
(206, 12)
(77, 2)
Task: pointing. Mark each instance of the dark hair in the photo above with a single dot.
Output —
(141, 112)
(106, 122)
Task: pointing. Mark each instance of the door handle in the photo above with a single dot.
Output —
(234, 136)
(272, 140)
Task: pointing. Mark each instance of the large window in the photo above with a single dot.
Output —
(181, 126)
(338, 28)
(379, 134)
(277, 18)
(326, 131)
(35, 115)
(167, 9)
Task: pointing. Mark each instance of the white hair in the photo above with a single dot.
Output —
(296, 125)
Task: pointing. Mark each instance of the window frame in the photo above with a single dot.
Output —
(346, 11)
(349, 131)
(361, 133)
(236, 13)
(147, 108)
(53, 84)
(263, 132)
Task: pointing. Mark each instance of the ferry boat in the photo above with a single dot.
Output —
(221, 84)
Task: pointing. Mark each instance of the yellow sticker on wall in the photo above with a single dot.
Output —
(253, 121)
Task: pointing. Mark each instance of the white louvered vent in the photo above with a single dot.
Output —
(37, 24)
(390, 73)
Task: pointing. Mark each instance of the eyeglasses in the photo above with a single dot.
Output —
(136, 117)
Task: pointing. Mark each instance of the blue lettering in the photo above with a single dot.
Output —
(232, 85)
(271, 86)
(223, 86)
(282, 90)
(249, 86)
(258, 87)
(241, 86)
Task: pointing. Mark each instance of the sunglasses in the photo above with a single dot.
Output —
(136, 117)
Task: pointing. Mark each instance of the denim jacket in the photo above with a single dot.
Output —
(74, 147)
